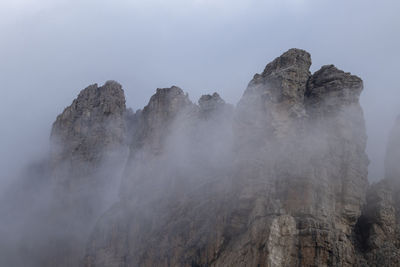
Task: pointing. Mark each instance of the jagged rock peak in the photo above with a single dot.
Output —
(213, 106)
(88, 135)
(276, 96)
(329, 78)
(93, 120)
(106, 99)
(210, 102)
(110, 97)
(281, 193)
(155, 119)
(168, 100)
(329, 88)
(211, 98)
(169, 92)
(284, 79)
(292, 58)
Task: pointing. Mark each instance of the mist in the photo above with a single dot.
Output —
(51, 50)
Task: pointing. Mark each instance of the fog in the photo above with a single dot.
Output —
(50, 50)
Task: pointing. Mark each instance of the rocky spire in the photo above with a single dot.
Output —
(297, 178)
(157, 116)
(214, 106)
(209, 103)
(91, 125)
(273, 100)
(88, 150)
(330, 89)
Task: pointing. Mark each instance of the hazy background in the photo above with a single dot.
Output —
(50, 50)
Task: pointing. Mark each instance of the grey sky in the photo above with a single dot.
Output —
(50, 50)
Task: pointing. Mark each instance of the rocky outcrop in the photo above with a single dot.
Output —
(278, 180)
(88, 141)
(275, 97)
(168, 165)
(88, 151)
(305, 172)
(51, 210)
(330, 89)
(90, 127)
(152, 127)
(211, 104)
(285, 189)
(156, 118)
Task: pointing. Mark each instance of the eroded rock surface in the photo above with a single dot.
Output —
(88, 142)
(88, 153)
(289, 194)
(278, 180)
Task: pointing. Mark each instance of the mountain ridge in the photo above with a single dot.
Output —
(280, 179)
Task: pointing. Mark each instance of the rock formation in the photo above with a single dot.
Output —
(88, 151)
(52, 209)
(92, 126)
(290, 194)
(278, 180)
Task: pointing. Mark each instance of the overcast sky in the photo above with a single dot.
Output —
(50, 50)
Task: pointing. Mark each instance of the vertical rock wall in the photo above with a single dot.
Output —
(278, 180)
(88, 152)
(289, 194)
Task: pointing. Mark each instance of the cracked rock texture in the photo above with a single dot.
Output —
(289, 195)
(87, 154)
(280, 179)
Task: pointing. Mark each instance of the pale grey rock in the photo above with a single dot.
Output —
(280, 180)
(274, 97)
(290, 195)
(329, 89)
(88, 151)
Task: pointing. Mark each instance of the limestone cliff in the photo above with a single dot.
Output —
(288, 194)
(278, 180)
(88, 151)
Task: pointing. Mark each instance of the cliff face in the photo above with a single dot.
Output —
(278, 180)
(286, 189)
(302, 190)
(90, 128)
(87, 141)
(88, 151)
